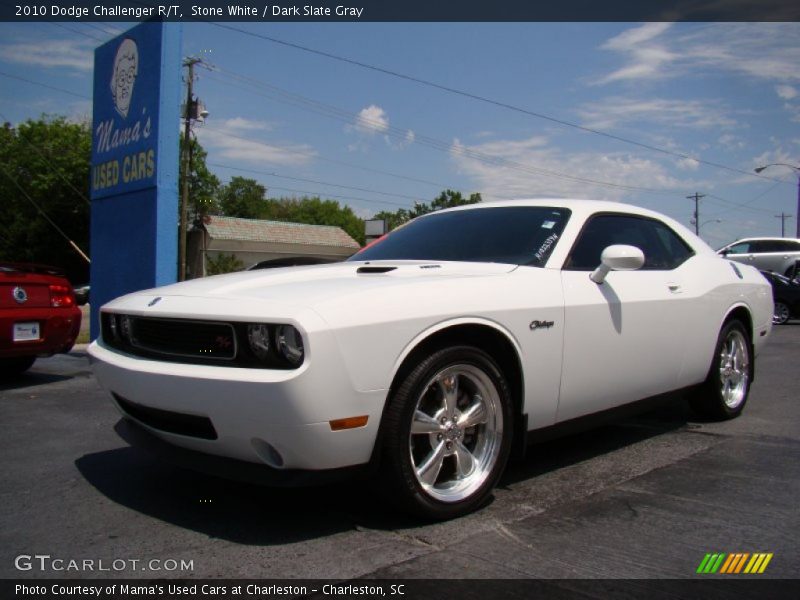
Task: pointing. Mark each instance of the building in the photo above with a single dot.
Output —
(252, 241)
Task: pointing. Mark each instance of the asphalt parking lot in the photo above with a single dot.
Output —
(644, 498)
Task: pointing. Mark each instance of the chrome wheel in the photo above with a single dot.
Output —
(456, 432)
(781, 314)
(734, 365)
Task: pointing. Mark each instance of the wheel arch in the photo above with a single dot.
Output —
(484, 334)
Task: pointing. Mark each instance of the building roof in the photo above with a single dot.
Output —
(253, 230)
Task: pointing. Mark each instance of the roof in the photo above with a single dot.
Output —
(254, 230)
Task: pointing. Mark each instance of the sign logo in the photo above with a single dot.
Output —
(541, 325)
(20, 295)
(733, 564)
(126, 68)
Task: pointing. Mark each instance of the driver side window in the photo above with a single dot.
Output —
(663, 249)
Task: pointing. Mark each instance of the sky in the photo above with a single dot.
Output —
(641, 113)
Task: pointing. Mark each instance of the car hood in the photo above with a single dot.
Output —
(310, 285)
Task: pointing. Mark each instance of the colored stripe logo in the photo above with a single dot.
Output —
(735, 563)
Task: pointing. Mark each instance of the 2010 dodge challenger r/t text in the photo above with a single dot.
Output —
(428, 354)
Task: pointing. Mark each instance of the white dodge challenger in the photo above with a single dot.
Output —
(428, 355)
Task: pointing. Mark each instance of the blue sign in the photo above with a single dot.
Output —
(134, 171)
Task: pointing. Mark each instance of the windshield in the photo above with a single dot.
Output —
(520, 235)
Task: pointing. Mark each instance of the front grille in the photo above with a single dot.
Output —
(169, 421)
(190, 339)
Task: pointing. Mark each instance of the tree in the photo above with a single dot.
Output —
(45, 162)
(243, 197)
(203, 184)
(223, 263)
(447, 199)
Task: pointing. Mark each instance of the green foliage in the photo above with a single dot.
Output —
(315, 211)
(246, 198)
(45, 161)
(447, 199)
(243, 197)
(203, 184)
(223, 263)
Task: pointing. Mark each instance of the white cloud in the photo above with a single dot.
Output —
(371, 120)
(646, 56)
(688, 164)
(224, 142)
(766, 51)
(786, 92)
(71, 54)
(240, 123)
(533, 168)
(610, 112)
(730, 142)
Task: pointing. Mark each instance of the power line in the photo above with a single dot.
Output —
(348, 187)
(479, 98)
(51, 87)
(70, 29)
(402, 133)
(338, 196)
(316, 156)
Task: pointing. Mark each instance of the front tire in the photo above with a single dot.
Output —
(724, 392)
(781, 314)
(447, 433)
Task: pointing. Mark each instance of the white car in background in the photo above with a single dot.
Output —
(427, 355)
(778, 255)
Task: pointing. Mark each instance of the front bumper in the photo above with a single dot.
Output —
(229, 468)
(250, 410)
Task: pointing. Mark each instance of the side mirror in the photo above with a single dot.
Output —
(725, 252)
(618, 257)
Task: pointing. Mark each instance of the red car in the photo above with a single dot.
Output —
(38, 315)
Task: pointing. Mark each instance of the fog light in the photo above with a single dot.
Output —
(268, 453)
(258, 336)
(290, 344)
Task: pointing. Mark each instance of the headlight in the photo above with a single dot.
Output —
(258, 336)
(112, 325)
(125, 328)
(290, 344)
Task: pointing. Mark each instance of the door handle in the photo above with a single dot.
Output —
(675, 288)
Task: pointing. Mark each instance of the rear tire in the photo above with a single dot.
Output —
(781, 314)
(10, 367)
(724, 392)
(447, 434)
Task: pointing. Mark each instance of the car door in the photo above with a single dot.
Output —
(623, 339)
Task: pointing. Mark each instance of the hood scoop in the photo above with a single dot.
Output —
(368, 270)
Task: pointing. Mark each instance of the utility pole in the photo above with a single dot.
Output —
(191, 112)
(783, 216)
(696, 197)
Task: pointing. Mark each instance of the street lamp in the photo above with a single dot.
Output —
(700, 226)
(797, 170)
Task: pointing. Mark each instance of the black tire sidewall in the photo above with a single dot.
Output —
(399, 418)
(775, 312)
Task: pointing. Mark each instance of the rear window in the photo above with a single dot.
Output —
(520, 235)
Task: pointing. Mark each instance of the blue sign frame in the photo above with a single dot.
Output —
(135, 163)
